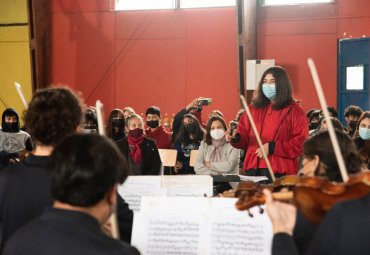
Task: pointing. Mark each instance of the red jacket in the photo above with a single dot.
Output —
(286, 129)
(161, 136)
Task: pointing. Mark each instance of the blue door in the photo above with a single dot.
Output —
(353, 78)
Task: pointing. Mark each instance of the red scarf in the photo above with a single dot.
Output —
(135, 150)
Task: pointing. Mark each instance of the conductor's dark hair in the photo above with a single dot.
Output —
(53, 114)
(153, 110)
(283, 85)
(321, 145)
(84, 168)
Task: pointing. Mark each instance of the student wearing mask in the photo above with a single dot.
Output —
(116, 125)
(216, 156)
(351, 115)
(362, 139)
(281, 123)
(192, 108)
(155, 130)
(141, 152)
(189, 137)
(85, 171)
(12, 140)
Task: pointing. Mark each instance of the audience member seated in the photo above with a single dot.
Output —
(336, 123)
(141, 152)
(127, 111)
(309, 112)
(85, 171)
(155, 130)
(189, 137)
(13, 141)
(351, 115)
(314, 121)
(216, 156)
(332, 112)
(192, 108)
(362, 139)
(116, 125)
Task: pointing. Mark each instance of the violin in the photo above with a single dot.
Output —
(314, 196)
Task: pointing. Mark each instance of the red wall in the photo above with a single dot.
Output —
(143, 58)
(291, 34)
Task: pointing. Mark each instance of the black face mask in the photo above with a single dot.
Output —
(152, 123)
(352, 124)
(119, 123)
(190, 128)
(12, 127)
(314, 125)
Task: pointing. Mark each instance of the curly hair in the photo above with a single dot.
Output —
(53, 114)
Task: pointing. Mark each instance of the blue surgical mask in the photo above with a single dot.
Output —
(269, 90)
(364, 133)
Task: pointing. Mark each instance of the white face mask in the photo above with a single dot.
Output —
(217, 133)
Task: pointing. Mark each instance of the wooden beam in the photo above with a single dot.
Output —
(39, 31)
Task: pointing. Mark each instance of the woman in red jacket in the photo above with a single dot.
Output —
(281, 123)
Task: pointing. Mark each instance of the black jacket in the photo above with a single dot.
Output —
(344, 230)
(25, 192)
(60, 232)
(151, 161)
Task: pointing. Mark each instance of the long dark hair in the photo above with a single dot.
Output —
(208, 138)
(115, 113)
(320, 145)
(363, 116)
(283, 96)
(183, 136)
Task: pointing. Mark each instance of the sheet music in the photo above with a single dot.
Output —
(199, 226)
(233, 232)
(136, 187)
(174, 233)
(188, 185)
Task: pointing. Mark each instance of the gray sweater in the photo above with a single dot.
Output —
(229, 163)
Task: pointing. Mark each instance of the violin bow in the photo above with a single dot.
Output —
(254, 128)
(113, 217)
(324, 107)
(20, 93)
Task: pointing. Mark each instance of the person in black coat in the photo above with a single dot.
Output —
(141, 152)
(85, 170)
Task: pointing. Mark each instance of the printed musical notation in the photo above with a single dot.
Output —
(199, 226)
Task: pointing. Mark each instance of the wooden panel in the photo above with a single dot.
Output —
(354, 8)
(62, 6)
(83, 54)
(146, 25)
(211, 69)
(299, 27)
(13, 11)
(151, 72)
(292, 52)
